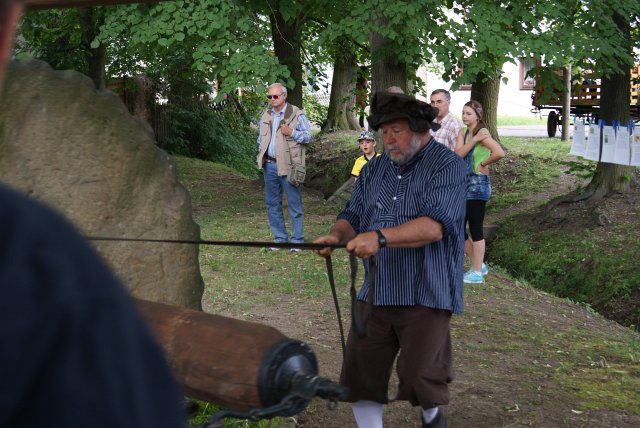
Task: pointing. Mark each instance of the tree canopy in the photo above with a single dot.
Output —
(250, 43)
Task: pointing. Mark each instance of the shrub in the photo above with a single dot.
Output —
(315, 109)
(578, 265)
(219, 133)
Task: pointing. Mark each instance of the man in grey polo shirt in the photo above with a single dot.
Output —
(407, 210)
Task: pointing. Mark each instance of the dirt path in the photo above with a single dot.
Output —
(503, 377)
(517, 351)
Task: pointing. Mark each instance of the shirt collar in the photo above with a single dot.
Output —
(446, 116)
(281, 112)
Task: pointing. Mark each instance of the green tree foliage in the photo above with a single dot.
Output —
(585, 35)
(401, 31)
(598, 36)
(200, 130)
(186, 47)
(220, 39)
(56, 36)
(293, 27)
(475, 40)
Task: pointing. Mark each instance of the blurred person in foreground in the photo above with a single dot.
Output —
(75, 351)
(407, 210)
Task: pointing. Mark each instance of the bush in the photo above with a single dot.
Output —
(315, 109)
(218, 133)
(577, 265)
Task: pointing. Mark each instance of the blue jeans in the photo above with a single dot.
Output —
(273, 187)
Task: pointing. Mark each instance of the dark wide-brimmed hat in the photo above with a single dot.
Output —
(387, 106)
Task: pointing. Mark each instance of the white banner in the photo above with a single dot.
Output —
(611, 144)
(593, 143)
(608, 144)
(579, 143)
(623, 147)
(635, 147)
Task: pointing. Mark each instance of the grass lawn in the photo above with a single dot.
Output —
(520, 120)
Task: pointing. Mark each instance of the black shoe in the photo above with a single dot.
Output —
(440, 421)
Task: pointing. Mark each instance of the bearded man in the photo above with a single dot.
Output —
(407, 209)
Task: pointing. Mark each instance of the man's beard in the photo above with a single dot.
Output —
(402, 159)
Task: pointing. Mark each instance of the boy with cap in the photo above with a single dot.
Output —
(407, 210)
(367, 143)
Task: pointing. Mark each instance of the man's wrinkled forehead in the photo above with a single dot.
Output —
(438, 97)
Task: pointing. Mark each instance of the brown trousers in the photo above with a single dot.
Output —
(424, 365)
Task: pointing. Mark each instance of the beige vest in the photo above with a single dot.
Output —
(287, 149)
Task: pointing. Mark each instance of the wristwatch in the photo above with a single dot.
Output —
(382, 241)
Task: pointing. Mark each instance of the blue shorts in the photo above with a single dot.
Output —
(478, 187)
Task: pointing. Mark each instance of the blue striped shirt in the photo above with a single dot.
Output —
(431, 184)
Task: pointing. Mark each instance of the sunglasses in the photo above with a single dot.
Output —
(274, 97)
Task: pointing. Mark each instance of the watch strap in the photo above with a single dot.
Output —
(382, 241)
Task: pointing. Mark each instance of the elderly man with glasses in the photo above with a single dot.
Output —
(284, 130)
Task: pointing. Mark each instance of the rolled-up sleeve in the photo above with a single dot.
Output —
(302, 133)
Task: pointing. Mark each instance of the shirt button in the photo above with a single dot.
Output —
(394, 198)
(399, 177)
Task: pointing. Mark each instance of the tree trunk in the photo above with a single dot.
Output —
(341, 113)
(91, 19)
(566, 103)
(286, 43)
(386, 69)
(614, 106)
(485, 90)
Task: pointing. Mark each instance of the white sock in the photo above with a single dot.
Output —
(368, 414)
(429, 414)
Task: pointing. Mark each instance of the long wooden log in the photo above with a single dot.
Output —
(217, 359)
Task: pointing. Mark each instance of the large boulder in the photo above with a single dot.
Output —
(80, 151)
